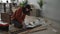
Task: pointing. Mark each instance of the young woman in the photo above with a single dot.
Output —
(19, 16)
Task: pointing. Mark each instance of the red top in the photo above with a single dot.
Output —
(19, 16)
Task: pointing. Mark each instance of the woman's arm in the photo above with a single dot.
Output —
(13, 15)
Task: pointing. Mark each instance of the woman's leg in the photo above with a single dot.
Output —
(16, 23)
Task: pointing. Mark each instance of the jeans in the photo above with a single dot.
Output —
(16, 23)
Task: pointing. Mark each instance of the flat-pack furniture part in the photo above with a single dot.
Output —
(5, 17)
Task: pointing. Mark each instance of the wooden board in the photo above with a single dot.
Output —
(5, 17)
(18, 31)
(34, 30)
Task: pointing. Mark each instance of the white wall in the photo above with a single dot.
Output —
(18, 2)
(4, 1)
(51, 9)
(34, 2)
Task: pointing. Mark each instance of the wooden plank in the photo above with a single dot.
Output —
(5, 17)
(34, 30)
(18, 31)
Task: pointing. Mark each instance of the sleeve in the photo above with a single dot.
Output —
(13, 15)
(18, 13)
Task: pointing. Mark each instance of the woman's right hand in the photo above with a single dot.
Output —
(12, 18)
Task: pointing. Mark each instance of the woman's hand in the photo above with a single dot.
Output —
(12, 18)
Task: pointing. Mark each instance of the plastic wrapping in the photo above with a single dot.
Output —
(31, 21)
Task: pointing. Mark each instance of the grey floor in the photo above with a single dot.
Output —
(53, 28)
(0, 16)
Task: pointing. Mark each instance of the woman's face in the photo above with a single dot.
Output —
(27, 9)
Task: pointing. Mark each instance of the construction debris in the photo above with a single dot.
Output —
(37, 24)
(41, 28)
(31, 21)
(21, 31)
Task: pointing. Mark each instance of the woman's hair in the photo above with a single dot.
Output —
(24, 9)
(28, 6)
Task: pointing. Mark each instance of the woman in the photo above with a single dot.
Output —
(19, 16)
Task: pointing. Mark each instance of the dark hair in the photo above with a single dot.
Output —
(24, 9)
(28, 6)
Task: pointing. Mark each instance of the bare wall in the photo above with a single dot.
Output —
(51, 9)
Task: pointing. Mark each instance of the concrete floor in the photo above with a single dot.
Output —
(3, 32)
(0, 16)
(53, 28)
